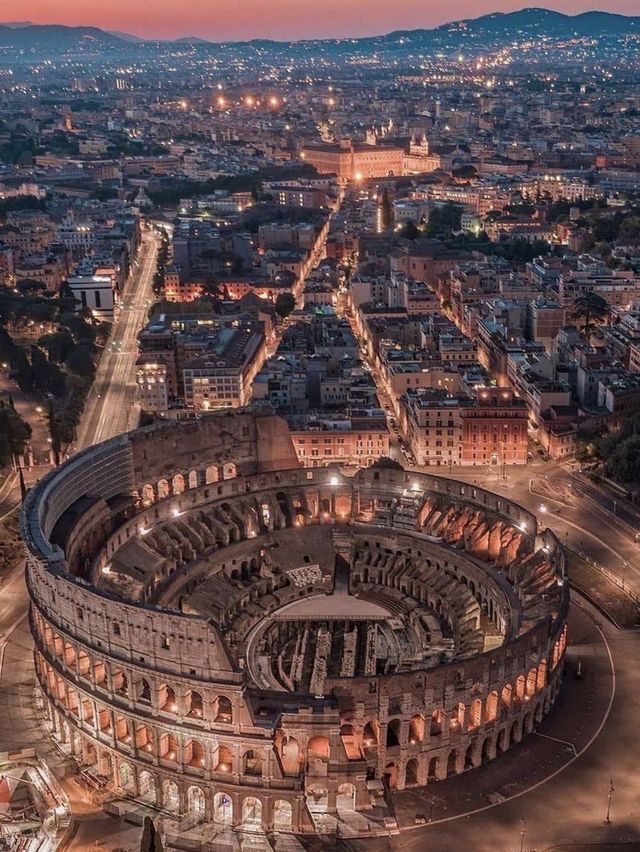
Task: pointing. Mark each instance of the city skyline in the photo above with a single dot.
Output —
(248, 19)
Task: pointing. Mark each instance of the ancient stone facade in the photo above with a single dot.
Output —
(222, 633)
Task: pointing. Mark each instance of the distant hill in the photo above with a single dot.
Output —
(471, 32)
(56, 37)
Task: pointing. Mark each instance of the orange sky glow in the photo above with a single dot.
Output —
(220, 20)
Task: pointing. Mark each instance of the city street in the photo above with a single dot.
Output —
(110, 407)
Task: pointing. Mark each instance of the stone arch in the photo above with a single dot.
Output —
(416, 729)
(520, 687)
(435, 726)
(469, 757)
(223, 809)
(123, 730)
(491, 707)
(83, 664)
(167, 701)
(178, 485)
(528, 723)
(222, 711)
(532, 678)
(168, 746)
(433, 769)
(195, 800)
(126, 777)
(346, 797)
(516, 732)
(144, 739)
(224, 761)
(318, 748)
(252, 811)
(411, 773)
(371, 734)
(192, 479)
(211, 474)
(147, 788)
(452, 763)
(391, 775)
(148, 494)
(69, 655)
(163, 489)
(503, 740)
(475, 714)
(229, 470)
(282, 815)
(120, 684)
(290, 756)
(541, 680)
(143, 691)
(318, 800)
(194, 754)
(393, 733)
(487, 752)
(252, 762)
(170, 796)
(507, 695)
(194, 704)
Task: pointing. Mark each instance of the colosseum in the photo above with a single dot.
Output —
(230, 640)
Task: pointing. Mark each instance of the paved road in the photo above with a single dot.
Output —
(110, 408)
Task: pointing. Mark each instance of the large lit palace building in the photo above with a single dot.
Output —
(227, 637)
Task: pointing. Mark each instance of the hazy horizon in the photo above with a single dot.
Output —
(280, 19)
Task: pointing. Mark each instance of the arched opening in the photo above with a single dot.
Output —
(542, 674)
(520, 688)
(222, 809)
(168, 747)
(411, 773)
(144, 739)
(318, 800)
(492, 707)
(469, 757)
(487, 751)
(69, 655)
(416, 729)
(147, 788)
(393, 733)
(282, 815)
(432, 772)
(503, 740)
(163, 489)
(528, 723)
(144, 691)
(475, 714)
(222, 710)
(318, 749)
(506, 696)
(252, 763)
(148, 495)
(178, 484)
(123, 730)
(290, 756)
(435, 729)
(229, 470)
(193, 479)
(167, 699)
(346, 798)
(195, 801)
(170, 797)
(370, 734)
(252, 812)
(452, 763)
(194, 754)
(390, 777)
(531, 682)
(126, 778)
(211, 474)
(224, 762)
(121, 684)
(194, 704)
(84, 663)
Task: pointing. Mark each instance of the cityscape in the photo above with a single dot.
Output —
(319, 427)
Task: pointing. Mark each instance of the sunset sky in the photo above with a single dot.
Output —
(240, 19)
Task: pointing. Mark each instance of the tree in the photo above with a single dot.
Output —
(14, 433)
(592, 308)
(285, 304)
(386, 211)
(387, 463)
